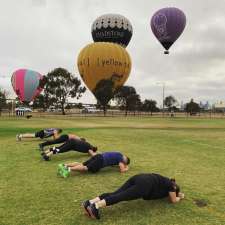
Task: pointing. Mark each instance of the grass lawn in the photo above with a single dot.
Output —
(192, 150)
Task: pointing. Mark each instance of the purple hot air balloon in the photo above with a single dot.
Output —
(27, 84)
(167, 25)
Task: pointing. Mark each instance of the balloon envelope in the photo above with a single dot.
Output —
(102, 65)
(167, 25)
(113, 28)
(26, 84)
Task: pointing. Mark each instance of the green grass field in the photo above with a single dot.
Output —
(192, 150)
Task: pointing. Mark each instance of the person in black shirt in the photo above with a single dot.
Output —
(146, 186)
(45, 133)
(71, 144)
(60, 139)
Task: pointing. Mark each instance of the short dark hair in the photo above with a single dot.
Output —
(128, 160)
(176, 186)
(59, 130)
(94, 148)
(82, 139)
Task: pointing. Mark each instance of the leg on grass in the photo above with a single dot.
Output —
(79, 167)
(100, 198)
(72, 164)
(27, 135)
(132, 193)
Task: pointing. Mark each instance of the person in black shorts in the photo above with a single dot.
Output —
(61, 139)
(97, 162)
(146, 186)
(70, 145)
(45, 133)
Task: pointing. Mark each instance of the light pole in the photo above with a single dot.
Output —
(163, 95)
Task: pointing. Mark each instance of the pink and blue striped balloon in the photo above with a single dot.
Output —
(26, 84)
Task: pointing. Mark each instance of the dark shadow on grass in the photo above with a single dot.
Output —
(201, 202)
(135, 206)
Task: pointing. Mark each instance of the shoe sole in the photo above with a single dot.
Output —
(85, 210)
(90, 213)
(60, 172)
(65, 176)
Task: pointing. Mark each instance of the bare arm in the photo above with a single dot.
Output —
(92, 153)
(173, 198)
(123, 167)
(55, 134)
(73, 136)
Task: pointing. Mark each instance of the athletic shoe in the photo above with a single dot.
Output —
(41, 148)
(93, 211)
(85, 204)
(65, 172)
(18, 137)
(60, 169)
(61, 166)
(45, 157)
(60, 172)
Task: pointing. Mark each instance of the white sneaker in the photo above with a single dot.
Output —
(18, 137)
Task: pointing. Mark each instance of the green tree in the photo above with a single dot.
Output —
(2, 100)
(127, 99)
(60, 85)
(134, 103)
(192, 107)
(39, 102)
(170, 102)
(104, 92)
(149, 106)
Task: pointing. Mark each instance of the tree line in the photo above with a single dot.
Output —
(60, 85)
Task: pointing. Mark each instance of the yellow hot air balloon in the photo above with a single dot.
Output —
(104, 67)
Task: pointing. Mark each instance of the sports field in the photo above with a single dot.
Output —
(191, 150)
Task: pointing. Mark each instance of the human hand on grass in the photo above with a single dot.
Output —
(181, 195)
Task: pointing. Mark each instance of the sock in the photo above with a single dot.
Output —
(96, 205)
(97, 199)
(54, 150)
(100, 204)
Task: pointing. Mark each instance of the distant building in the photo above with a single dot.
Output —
(220, 106)
(205, 106)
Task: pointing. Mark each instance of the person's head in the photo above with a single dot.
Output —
(126, 160)
(94, 148)
(83, 139)
(176, 186)
(59, 131)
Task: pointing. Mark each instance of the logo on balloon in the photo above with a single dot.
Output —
(160, 22)
(109, 34)
(103, 62)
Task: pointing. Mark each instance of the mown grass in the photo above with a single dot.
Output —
(192, 150)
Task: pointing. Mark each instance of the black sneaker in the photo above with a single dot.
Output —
(93, 211)
(41, 148)
(85, 204)
(45, 157)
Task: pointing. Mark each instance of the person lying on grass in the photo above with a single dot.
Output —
(45, 133)
(70, 145)
(146, 186)
(61, 139)
(95, 163)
